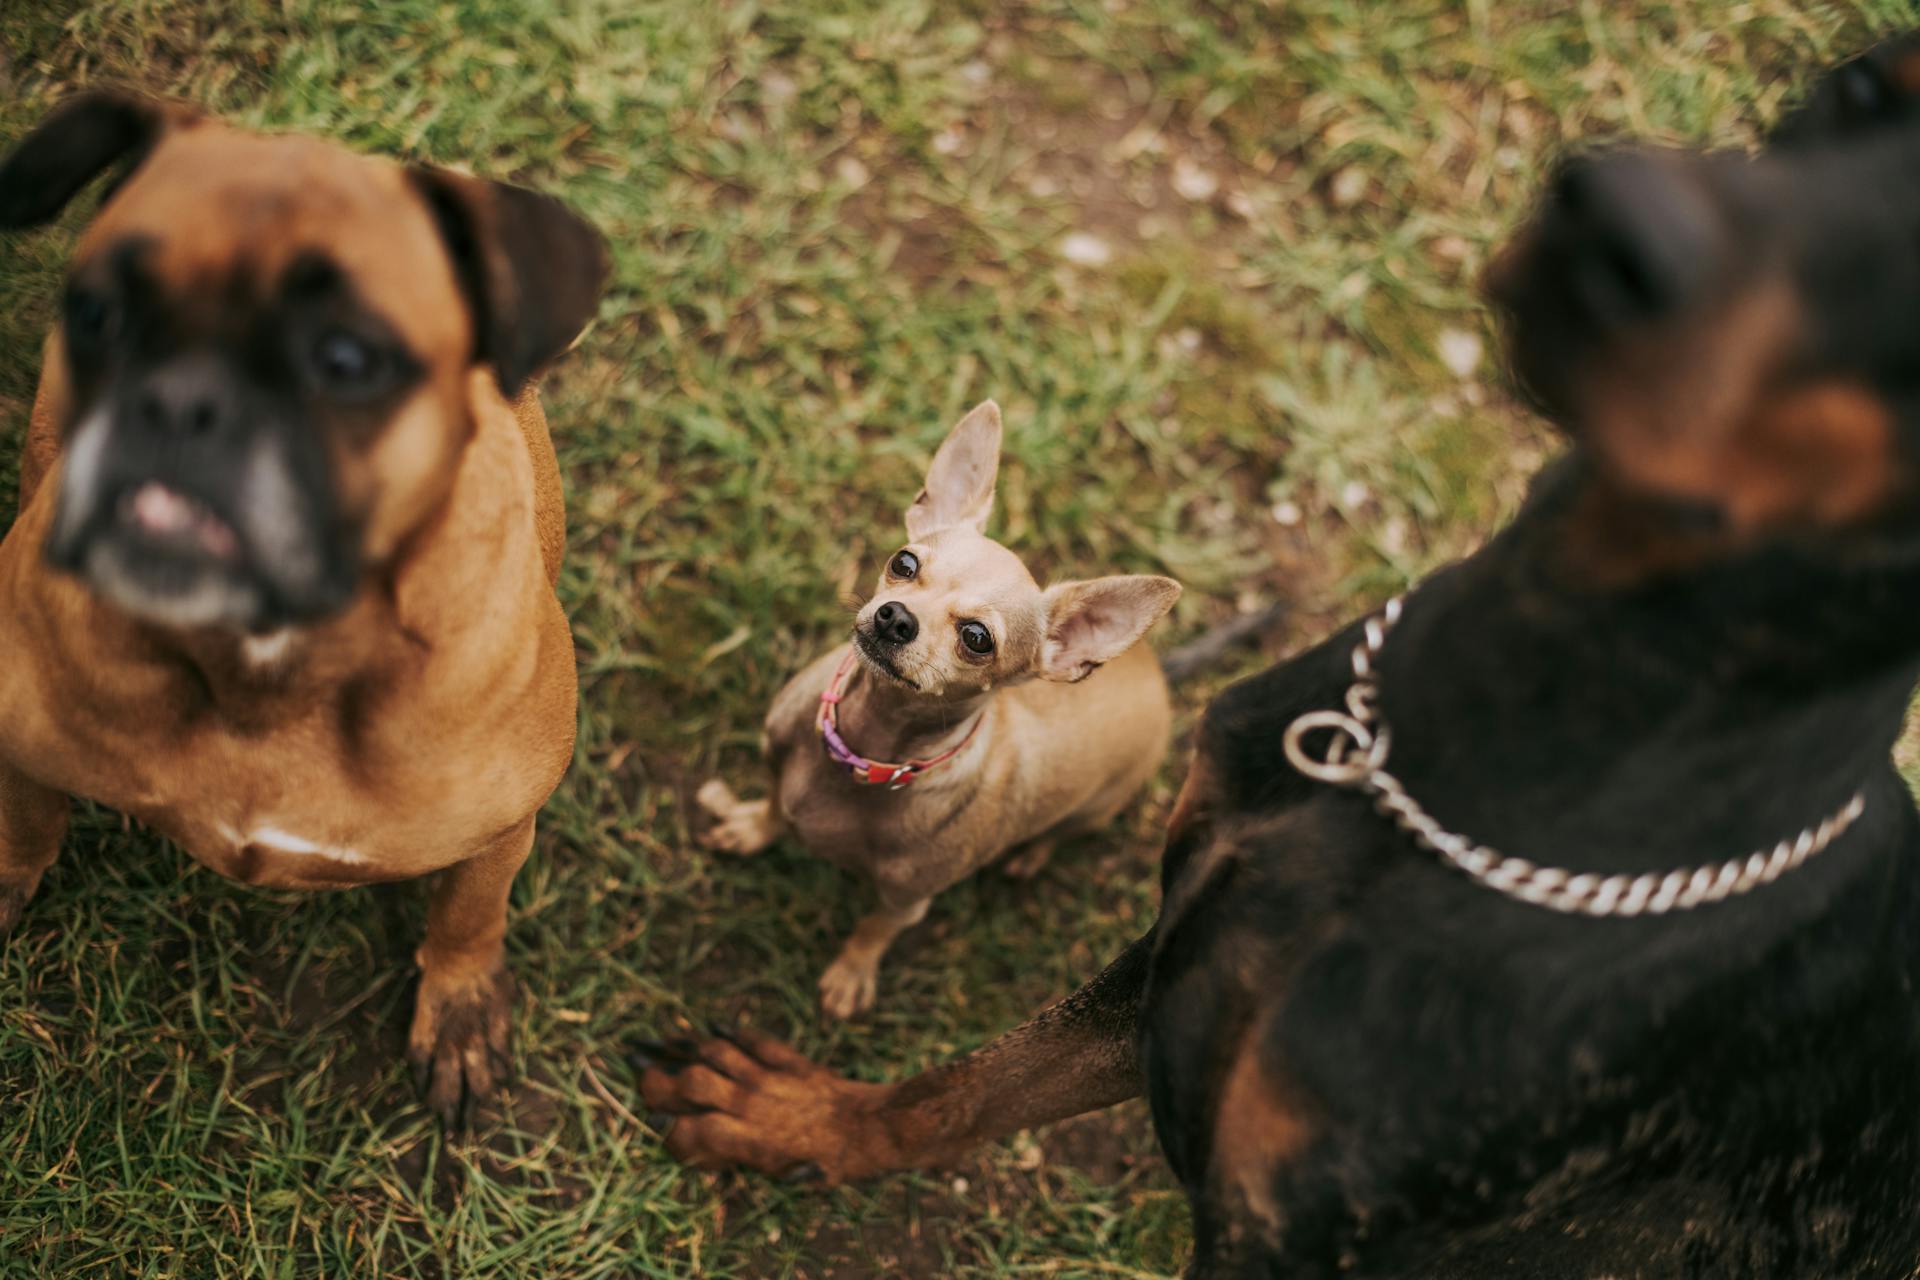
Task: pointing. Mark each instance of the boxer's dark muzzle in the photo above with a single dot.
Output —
(191, 496)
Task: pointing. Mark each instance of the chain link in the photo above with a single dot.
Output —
(1356, 758)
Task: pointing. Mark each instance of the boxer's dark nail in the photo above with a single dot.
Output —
(803, 1173)
(661, 1123)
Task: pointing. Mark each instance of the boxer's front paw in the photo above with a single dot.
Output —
(460, 1046)
(13, 903)
(752, 1101)
(16, 891)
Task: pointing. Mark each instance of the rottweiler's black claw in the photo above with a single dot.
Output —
(670, 1056)
(733, 1037)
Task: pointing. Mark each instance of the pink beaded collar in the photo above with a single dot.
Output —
(871, 772)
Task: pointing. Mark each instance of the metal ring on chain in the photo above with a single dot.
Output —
(1356, 757)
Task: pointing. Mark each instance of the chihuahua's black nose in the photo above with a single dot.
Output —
(1641, 237)
(186, 397)
(894, 624)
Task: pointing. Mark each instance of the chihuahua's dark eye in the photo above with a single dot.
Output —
(904, 565)
(976, 637)
(345, 364)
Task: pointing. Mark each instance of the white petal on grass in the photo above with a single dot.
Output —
(1347, 186)
(1084, 249)
(1191, 182)
(1460, 351)
(851, 171)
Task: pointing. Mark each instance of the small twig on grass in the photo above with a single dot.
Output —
(586, 1064)
(1197, 655)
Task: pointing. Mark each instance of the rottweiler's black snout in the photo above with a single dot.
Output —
(1640, 238)
(894, 623)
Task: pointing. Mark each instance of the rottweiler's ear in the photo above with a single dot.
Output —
(531, 269)
(76, 142)
(1878, 89)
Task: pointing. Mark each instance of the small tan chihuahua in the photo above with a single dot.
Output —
(940, 677)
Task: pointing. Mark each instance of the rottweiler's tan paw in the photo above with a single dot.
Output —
(751, 1100)
(460, 1045)
(741, 827)
(848, 988)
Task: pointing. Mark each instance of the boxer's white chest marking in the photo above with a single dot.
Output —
(274, 840)
(268, 650)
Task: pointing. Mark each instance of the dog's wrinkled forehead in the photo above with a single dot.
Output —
(215, 212)
(961, 560)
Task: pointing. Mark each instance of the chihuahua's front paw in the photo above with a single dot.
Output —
(848, 988)
(739, 826)
(459, 1046)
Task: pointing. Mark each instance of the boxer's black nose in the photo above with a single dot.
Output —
(1643, 238)
(191, 396)
(894, 624)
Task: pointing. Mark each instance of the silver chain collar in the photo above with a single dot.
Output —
(1356, 758)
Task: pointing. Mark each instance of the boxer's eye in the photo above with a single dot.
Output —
(904, 566)
(345, 363)
(976, 637)
(87, 315)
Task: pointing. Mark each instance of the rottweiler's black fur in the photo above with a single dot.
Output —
(1683, 649)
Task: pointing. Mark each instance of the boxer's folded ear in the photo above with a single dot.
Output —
(531, 269)
(75, 143)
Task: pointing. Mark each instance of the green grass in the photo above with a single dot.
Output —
(837, 224)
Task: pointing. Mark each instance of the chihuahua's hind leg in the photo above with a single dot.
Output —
(33, 821)
(1025, 862)
(850, 983)
(741, 827)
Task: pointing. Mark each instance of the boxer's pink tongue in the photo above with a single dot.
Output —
(160, 511)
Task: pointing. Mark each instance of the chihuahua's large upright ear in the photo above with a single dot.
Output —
(959, 489)
(1090, 623)
(77, 141)
(531, 269)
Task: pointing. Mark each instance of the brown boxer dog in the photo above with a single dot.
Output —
(281, 585)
